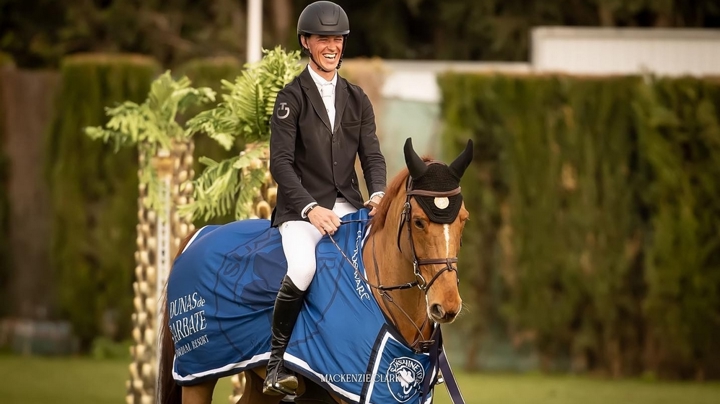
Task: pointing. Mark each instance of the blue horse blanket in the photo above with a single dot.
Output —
(220, 298)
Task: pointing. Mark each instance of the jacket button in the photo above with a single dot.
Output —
(334, 163)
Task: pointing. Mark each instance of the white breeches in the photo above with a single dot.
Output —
(299, 239)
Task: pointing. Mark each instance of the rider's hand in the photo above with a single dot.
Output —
(324, 219)
(373, 204)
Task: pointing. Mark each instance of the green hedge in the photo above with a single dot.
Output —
(679, 156)
(94, 189)
(591, 234)
(94, 192)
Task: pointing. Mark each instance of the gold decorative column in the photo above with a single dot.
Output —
(263, 205)
(159, 236)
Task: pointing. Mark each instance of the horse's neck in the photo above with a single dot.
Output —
(393, 269)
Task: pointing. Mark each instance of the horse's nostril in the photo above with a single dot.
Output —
(437, 311)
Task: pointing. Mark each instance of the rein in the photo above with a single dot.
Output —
(419, 345)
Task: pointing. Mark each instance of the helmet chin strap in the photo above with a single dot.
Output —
(319, 66)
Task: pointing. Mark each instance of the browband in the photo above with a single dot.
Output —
(421, 192)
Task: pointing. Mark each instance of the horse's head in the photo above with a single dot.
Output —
(431, 225)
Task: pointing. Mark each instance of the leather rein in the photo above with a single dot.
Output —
(418, 345)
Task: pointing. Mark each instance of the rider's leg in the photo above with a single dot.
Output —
(299, 240)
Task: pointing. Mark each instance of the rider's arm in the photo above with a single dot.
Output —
(371, 158)
(283, 131)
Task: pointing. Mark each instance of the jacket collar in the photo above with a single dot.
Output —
(311, 91)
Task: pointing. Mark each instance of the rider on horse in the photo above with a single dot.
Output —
(320, 124)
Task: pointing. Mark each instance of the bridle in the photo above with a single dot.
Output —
(418, 345)
(405, 218)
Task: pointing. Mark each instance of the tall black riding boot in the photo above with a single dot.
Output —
(279, 380)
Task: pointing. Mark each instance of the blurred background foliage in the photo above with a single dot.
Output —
(5, 256)
(593, 236)
(40, 32)
(92, 192)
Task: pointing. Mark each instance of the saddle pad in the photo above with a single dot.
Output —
(221, 293)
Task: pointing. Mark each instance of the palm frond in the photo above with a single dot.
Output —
(245, 111)
(228, 186)
(249, 100)
(252, 172)
(247, 105)
(214, 191)
(252, 182)
(152, 125)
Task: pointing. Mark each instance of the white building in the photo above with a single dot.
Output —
(411, 96)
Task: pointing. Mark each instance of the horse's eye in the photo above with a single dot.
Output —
(419, 223)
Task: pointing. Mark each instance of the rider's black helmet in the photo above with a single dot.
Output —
(323, 18)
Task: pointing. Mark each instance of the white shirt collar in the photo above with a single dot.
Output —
(319, 80)
(327, 93)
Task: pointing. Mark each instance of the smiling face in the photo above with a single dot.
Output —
(325, 51)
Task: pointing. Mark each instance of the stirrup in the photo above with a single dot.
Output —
(275, 388)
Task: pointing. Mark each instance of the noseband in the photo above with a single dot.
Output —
(405, 216)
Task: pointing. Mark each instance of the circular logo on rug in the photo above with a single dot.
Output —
(404, 378)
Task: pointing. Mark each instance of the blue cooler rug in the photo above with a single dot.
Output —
(221, 293)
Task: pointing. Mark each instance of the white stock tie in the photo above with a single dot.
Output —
(327, 92)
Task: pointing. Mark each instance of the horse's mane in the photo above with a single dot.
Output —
(392, 191)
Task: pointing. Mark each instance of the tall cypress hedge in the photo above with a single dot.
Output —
(591, 230)
(679, 143)
(94, 193)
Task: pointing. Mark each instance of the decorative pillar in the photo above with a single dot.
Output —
(159, 236)
(263, 205)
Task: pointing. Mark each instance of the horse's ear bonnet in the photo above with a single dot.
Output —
(437, 177)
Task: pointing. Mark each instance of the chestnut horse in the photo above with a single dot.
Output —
(411, 267)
